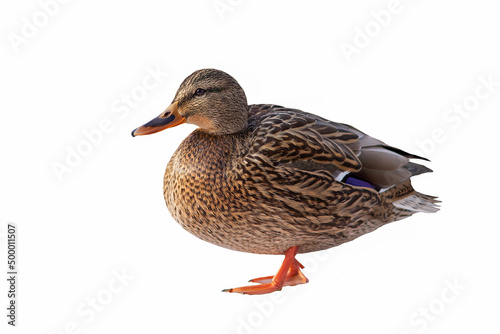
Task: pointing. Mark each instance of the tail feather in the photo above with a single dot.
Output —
(408, 201)
(418, 202)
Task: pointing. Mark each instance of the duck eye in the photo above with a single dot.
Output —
(200, 92)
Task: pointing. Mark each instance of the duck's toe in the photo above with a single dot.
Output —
(288, 275)
(293, 277)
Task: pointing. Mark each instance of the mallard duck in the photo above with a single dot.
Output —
(267, 179)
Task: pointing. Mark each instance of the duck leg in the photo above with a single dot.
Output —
(293, 277)
(289, 274)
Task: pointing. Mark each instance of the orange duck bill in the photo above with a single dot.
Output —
(167, 119)
(289, 274)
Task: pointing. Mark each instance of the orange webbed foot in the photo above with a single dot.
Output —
(293, 277)
(289, 274)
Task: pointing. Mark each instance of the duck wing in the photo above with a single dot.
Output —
(295, 139)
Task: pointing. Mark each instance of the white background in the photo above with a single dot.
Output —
(107, 214)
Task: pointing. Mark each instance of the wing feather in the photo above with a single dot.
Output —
(289, 135)
(307, 142)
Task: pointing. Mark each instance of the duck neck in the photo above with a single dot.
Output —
(213, 152)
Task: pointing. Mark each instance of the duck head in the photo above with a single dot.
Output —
(211, 99)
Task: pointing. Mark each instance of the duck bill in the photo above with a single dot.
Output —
(167, 119)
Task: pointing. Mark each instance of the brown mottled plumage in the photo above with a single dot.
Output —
(267, 179)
